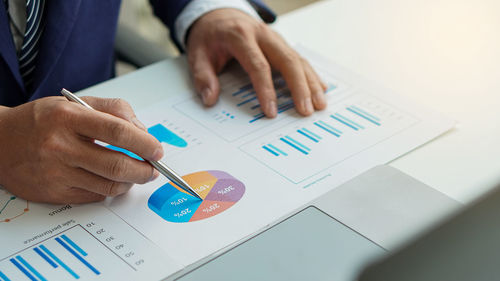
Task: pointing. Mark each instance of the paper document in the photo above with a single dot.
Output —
(249, 170)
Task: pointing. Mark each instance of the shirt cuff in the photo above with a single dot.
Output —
(197, 8)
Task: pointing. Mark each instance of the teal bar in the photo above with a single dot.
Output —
(311, 133)
(365, 112)
(270, 150)
(298, 143)
(4, 277)
(307, 135)
(330, 127)
(349, 120)
(73, 244)
(277, 149)
(31, 268)
(363, 116)
(60, 262)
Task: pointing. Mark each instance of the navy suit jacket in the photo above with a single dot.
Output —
(76, 49)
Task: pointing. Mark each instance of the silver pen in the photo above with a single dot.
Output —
(158, 165)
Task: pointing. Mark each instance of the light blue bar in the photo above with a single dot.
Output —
(311, 133)
(349, 120)
(258, 116)
(307, 136)
(365, 113)
(331, 127)
(294, 146)
(343, 122)
(82, 260)
(252, 93)
(41, 254)
(331, 87)
(31, 268)
(270, 150)
(246, 101)
(73, 244)
(4, 277)
(23, 270)
(277, 149)
(326, 129)
(298, 143)
(363, 116)
(62, 264)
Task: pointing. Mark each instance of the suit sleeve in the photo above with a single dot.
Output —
(169, 10)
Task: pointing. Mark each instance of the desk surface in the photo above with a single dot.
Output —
(443, 54)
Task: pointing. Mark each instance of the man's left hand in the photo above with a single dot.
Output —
(223, 34)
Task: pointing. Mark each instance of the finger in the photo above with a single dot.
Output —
(118, 132)
(289, 63)
(204, 72)
(117, 107)
(113, 165)
(315, 86)
(256, 65)
(72, 195)
(91, 182)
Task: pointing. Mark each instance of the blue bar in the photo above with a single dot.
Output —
(363, 116)
(311, 133)
(365, 112)
(4, 277)
(270, 151)
(349, 120)
(277, 149)
(286, 108)
(307, 136)
(73, 244)
(294, 146)
(62, 264)
(285, 104)
(252, 93)
(343, 122)
(326, 129)
(298, 143)
(243, 89)
(78, 256)
(257, 117)
(30, 268)
(44, 256)
(23, 270)
(255, 106)
(246, 101)
(331, 127)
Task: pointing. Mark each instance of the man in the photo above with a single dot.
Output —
(47, 149)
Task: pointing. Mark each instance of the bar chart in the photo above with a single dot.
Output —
(238, 111)
(72, 254)
(347, 128)
(173, 138)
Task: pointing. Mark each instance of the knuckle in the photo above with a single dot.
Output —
(111, 188)
(260, 65)
(118, 131)
(61, 111)
(117, 169)
(120, 103)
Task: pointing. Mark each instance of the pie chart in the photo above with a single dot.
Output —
(219, 191)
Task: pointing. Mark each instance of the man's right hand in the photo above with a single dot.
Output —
(48, 153)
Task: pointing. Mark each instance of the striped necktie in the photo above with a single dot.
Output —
(29, 49)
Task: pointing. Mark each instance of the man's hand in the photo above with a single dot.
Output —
(223, 34)
(48, 153)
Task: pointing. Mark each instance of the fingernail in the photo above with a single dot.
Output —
(139, 124)
(271, 109)
(205, 94)
(155, 175)
(307, 106)
(158, 154)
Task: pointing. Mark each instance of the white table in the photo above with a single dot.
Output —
(444, 54)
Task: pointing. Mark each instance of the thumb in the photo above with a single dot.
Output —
(204, 74)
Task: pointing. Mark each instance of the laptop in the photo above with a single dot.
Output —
(359, 231)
